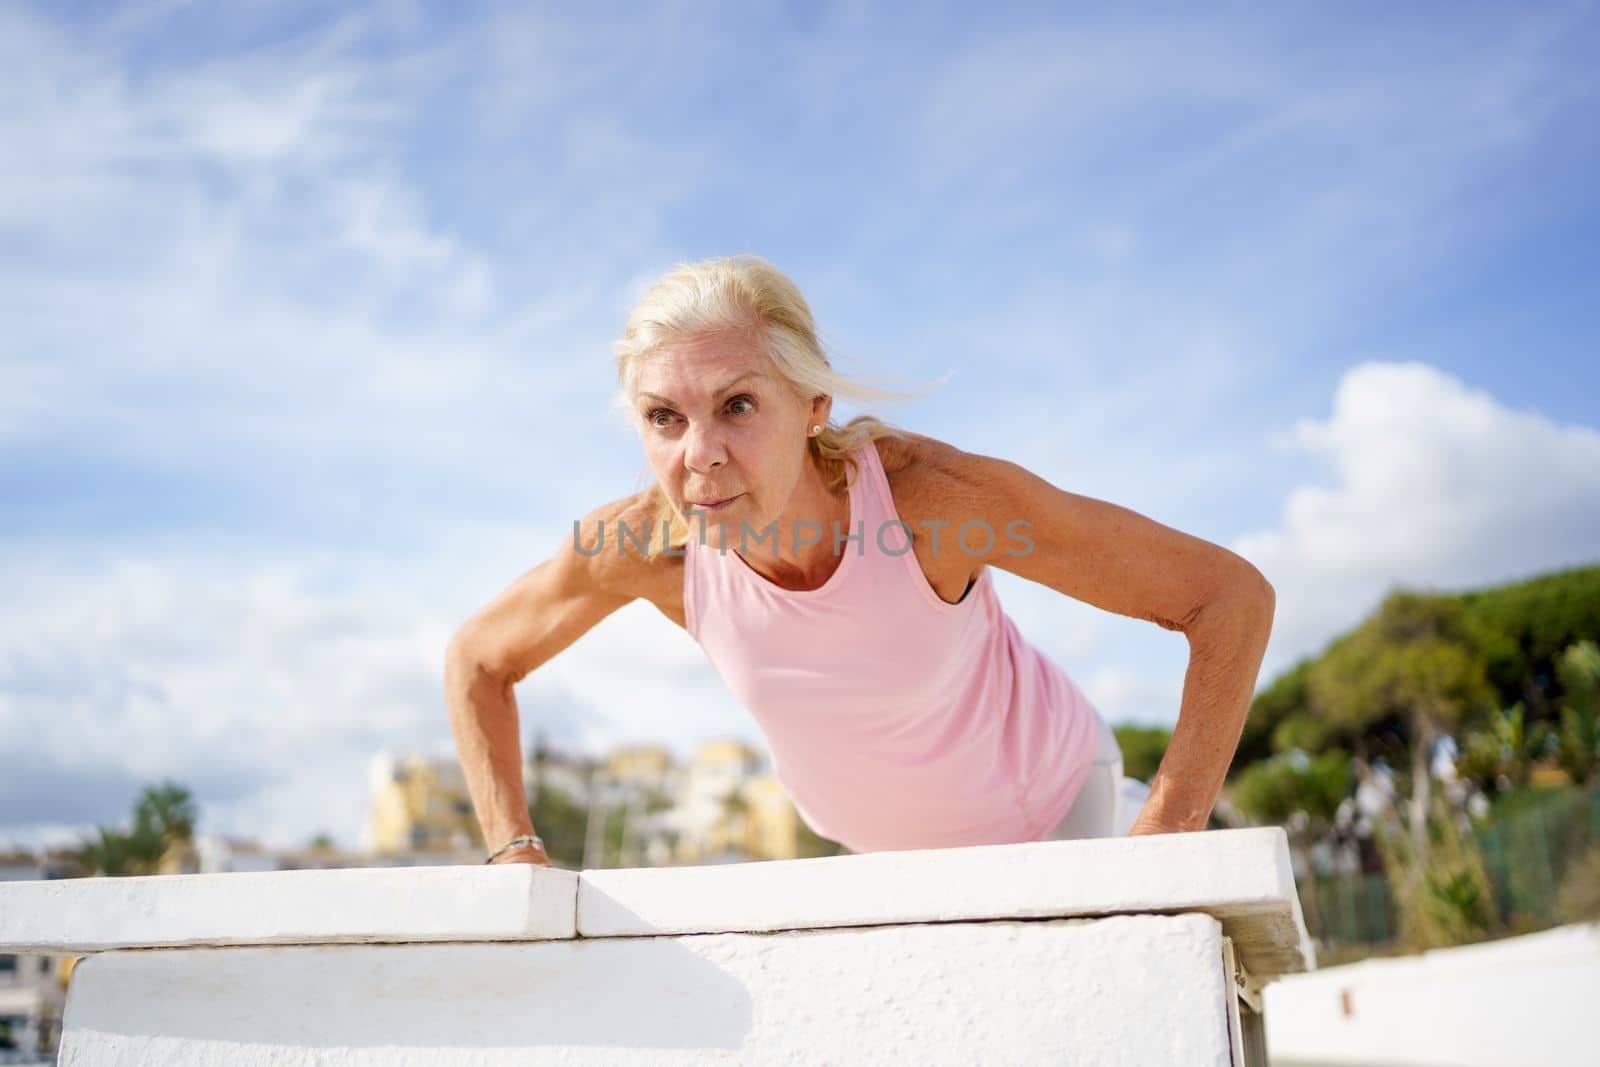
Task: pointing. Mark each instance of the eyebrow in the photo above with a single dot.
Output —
(719, 392)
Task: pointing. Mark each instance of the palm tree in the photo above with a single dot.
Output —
(163, 816)
(1579, 738)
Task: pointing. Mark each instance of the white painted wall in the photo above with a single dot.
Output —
(1123, 990)
(1523, 1000)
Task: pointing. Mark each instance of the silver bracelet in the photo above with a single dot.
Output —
(516, 842)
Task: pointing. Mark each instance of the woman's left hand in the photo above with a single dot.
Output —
(1144, 825)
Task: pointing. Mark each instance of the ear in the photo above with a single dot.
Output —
(820, 407)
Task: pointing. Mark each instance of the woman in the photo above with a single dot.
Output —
(839, 579)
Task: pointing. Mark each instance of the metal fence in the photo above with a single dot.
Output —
(1349, 909)
(1528, 855)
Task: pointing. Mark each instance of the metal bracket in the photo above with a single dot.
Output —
(1244, 985)
(1247, 1035)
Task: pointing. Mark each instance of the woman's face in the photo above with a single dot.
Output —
(719, 422)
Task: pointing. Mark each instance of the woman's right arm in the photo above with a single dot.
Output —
(537, 616)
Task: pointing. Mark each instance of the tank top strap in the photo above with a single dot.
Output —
(870, 500)
(884, 541)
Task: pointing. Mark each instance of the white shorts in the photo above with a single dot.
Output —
(1101, 808)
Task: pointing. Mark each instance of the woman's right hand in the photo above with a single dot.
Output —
(524, 854)
(538, 615)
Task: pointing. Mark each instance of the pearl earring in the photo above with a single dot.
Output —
(815, 428)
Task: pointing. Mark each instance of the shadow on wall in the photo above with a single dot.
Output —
(512, 995)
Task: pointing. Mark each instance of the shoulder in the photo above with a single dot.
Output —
(605, 546)
(926, 474)
(935, 486)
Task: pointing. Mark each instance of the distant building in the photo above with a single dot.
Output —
(218, 853)
(772, 825)
(711, 814)
(33, 989)
(419, 804)
(722, 806)
(551, 769)
(641, 766)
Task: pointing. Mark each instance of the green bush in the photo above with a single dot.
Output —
(1272, 790)
(1142, 749)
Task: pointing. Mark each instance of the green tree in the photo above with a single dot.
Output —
(1578, 742)
(559, 818)
(1520, 633)
(561, 823)
(1142, 749)
(1443, 895)
(1416, 662)
(114, 853)
(166, 812)
(1503, 750)
(163, 816)
(611, 837)
(1529, 625)
(1295, 791)
(1273, 790)
(810, 844)
(1283, 699)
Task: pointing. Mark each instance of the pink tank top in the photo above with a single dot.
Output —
(895, 720)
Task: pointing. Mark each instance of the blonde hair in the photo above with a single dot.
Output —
(745, 293)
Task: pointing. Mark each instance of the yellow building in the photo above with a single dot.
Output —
(772, 825)
(729, 806)
(727, 751)
(419, 804)
(642, 765)
(724, 803)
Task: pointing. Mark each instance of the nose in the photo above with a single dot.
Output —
(703, 449)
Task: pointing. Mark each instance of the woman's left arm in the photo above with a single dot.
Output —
(1120, 561)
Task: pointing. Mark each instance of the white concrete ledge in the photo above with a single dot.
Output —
(351, 906)
(1527, 999)
(1242, 878)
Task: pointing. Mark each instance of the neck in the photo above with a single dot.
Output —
(811, 514)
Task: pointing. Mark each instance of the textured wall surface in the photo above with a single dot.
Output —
(1134, 989)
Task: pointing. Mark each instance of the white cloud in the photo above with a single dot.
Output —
(1433, 484)
(266, 682)
(257, 267)
(229, 276)
(1131, 695)
(228, 248)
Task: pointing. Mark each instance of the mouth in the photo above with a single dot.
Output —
(713, 505)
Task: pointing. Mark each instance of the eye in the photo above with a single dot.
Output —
(653, 417)
(743, 398)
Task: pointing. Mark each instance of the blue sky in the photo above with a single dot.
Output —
(305, 324)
